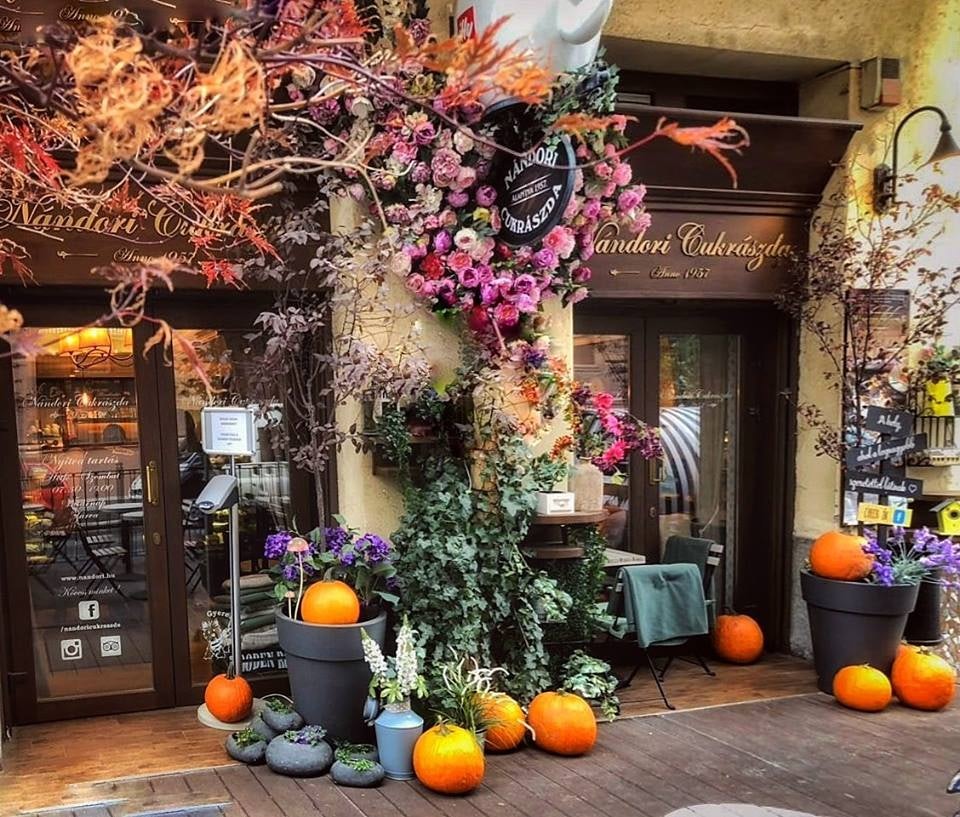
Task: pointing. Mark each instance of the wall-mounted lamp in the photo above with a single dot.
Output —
(885, 176)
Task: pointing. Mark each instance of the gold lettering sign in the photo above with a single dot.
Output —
(693, 240)
(46, 215)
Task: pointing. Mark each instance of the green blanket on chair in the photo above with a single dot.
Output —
(664, 602)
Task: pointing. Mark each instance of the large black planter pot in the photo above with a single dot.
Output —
(328, 676)
(854, 623)
(923, 624)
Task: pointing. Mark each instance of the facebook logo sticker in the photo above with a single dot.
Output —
(89, 610)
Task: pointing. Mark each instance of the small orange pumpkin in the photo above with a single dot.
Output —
(508, 726)
(863, 688)
(448, 759)
(838, 555)
(923, 680)
(737, 639)
(562, 723)
(330, 602)
(905, 649)
(228, 698)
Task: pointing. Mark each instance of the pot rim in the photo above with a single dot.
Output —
(896, 586)
(366, 623)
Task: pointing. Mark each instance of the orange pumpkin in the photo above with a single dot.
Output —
(838, 555)
(905, 649)
(737, 639)
(508, 726)
(862, 687)
(448, 759)
(922, 680)
(562, 723)
(228, 698)
(330, 602)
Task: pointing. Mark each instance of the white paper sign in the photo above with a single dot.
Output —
(228, 431)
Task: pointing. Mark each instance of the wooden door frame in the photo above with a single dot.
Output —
(763, 327)
(77, 310)
(217, 311)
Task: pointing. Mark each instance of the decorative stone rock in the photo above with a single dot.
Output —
(259, 725)
(249, 753)
(366, 751)
(281, 721)
(303, 753)
(360, 774)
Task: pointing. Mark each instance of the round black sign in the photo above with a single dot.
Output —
(534, 191)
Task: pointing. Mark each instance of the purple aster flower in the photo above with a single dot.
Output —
(275, 546)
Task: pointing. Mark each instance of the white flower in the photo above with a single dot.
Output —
(465, 239)
(429, 198)
(462, 141)
(373, 655)
(406, 661)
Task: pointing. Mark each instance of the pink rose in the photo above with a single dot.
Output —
(466, 178)
(445, 166)
(484, 273)
(628, 200)
(622, 174)
(560, 239)
(424, 133)
(603, 400)
(545, 259)
(489, 294)
(506, 315)
(603, 170)
(641, 223)
(459, 261)
(486, 195)
(527, 303)
(469, 278)
(404, 152)
(591, 208)
(442, 242)
(457, 198)
(524, 284)
(582, 275)
(415, 283)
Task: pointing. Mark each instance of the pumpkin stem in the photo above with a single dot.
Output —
(231, 670)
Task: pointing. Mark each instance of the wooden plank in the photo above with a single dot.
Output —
(745, 776)
(834, 768)
(284, 792)
(246, 789)
(542, 789)
(414, 798)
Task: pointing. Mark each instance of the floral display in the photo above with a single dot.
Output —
(604, 435)
(926, 557)
(365, 562)
(437, 188)
(397, 678)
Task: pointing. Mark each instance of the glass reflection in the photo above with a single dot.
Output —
(265, 507)
(85, 557)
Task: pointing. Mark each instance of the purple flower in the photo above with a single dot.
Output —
(546, 259)
(457, 198)
(469, 278)
(486, 195)
(420, 173)
(524, 284)
(442, 241)
(627, 200)
(424, 133)
(291, 573)
(275, 547)
(404, 152)
(373, 549)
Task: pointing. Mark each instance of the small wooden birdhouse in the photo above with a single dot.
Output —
(948, 517)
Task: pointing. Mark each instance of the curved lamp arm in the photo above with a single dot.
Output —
(885, 176)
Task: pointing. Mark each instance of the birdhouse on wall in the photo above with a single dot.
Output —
(948, 517)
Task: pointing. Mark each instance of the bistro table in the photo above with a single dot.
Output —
(131, 514)
(542, 542)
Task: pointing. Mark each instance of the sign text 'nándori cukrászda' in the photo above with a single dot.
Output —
(693, 240)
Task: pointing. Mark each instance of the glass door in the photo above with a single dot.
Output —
(84, 545)
(714, 379)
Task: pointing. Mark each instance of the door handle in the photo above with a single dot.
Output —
(655, 470)
(152, 497)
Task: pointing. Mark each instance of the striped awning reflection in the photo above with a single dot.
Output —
(680, 435)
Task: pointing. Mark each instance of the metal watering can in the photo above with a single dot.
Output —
(565, 34)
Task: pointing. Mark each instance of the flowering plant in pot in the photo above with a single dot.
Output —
(602, 439)
(330, 585)
(394, 681)
(860, 594)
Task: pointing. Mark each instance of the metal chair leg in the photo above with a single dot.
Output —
(666, 666)
(656, 677)
(702, 662)
(625, 682)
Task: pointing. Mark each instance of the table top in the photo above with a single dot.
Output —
(622, 558)
(121, 507)
(590, 518)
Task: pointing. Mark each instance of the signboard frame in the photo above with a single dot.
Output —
(216, 442)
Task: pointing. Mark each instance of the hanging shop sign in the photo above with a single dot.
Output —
(697, 255)
(864, 482)
(894, 448)
(534, 191)
(888, 421)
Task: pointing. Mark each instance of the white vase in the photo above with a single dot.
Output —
(586, 482)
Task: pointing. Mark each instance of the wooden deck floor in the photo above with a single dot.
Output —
(801, 754)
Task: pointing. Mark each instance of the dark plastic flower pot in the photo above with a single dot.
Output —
(923, 624)
(328, 676)
(854, 623)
